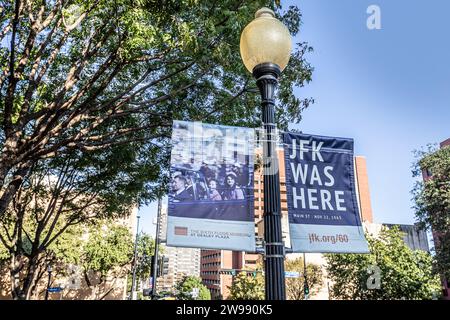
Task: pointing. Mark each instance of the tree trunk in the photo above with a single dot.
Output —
(22, 289)
(35, 287)
(14, 271)
(7, 192)
(30, 277)
(4, 170)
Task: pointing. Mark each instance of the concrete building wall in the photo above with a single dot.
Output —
(445, 143)
(210, 264)
(362, 180)
(228, 262)
(182, 262)
(215, 262)
(415, 238)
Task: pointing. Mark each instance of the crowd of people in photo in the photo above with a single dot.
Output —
(209, 182)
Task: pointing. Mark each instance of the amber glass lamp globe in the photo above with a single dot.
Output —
(265, 40)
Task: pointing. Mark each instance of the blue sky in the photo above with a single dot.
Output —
(388, 89)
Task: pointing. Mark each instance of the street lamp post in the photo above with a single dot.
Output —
(49, 270)
(305, 283)
(133, 281)
(155, 255)
(265, 50)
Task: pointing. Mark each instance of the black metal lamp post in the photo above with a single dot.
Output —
(49, 270)
(133, 279)
(305, 283)
(155, 255)
(265, 50)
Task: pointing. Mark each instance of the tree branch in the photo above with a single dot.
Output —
(9, 100)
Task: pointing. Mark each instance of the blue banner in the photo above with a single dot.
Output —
(321, 195)
(211, 196)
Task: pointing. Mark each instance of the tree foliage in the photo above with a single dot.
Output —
(295, 286)
(57, 196)
(90, 75)
(4, 254)
(247, 287)
(432, 202)
(89, 90)
(99, 250)
(145, 253)
(107, 248)
(402, 273)
(185, 287)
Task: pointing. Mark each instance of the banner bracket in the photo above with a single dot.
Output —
(274, 256)
(275, 244)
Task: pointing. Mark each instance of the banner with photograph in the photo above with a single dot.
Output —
(322, 201)
(211, 198)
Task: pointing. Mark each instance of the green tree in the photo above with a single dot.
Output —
(57, 197)
(144, 259)
(145, 252)
(432, 202)
(89, 90)
(295, 286)
(90, 75)
(186, 286)
(391, 271)
(108, 251)
(247, 287)
(100, 250)
(107, 248)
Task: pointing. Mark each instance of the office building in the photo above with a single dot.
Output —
(181, 261)
(218, 267)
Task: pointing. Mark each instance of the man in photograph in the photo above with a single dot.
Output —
(179, 189)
